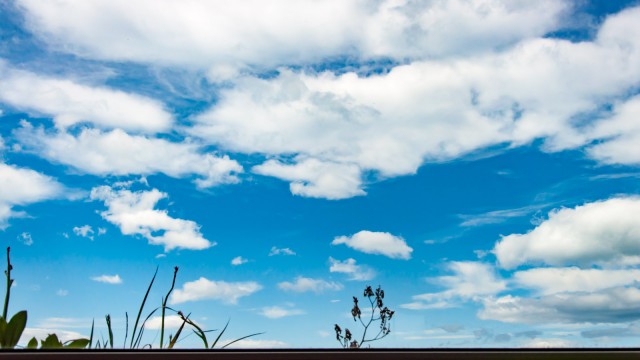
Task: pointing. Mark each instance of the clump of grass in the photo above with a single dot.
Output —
(139, 327)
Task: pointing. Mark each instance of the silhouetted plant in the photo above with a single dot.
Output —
(379, 312)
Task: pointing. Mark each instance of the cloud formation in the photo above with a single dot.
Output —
(304, 284)
(116, 152)
(354, 271)
(20, 187)
(381, 243)
(108, 279)
(276, 312)
(70, 103)
(196, 35)
(135, 214)
(470, 281)
(599, 233)
(204, 289)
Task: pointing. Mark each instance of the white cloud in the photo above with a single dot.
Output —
(256, 344)
(285, 251)
(349, 266)
(108, 279)
(276, 312)
(612, 305)
(117, 153)
(135, 214)
(317, 179)
(238, 260)
(70, 103)
(619, 135)
(470, 281)
(84, 231)
(381, 243)
(547, 281)
(204, 289)
(304, 284)
(602, 232)
(170, 322)
(20, 186)
(229, 37)
(62, 292)
(548, 343)
(25, 238)
(431, 110)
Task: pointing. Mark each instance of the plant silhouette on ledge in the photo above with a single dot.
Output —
(379, 312)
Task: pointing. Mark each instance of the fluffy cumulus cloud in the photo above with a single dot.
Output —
(354, 271)
(380, 243)
(616, 304)
(276, 312)
(470, 281)
(108, 279)
(588, 255)
(621, 132)
(116, 152)
(135, 214)
(600, 233)
(71, 103)
(429, 110)
(204, 289)
(304, 284)
(20, 187)
(315, 178)
(196, 34)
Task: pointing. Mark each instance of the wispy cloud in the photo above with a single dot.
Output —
(238, 260)
(304, 284)
(276, 312)
(108, 279)
(349, 267)
(276, 251)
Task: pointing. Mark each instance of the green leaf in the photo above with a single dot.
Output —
(14, 329)
(77, 344)
(33, 343)
(51, 342)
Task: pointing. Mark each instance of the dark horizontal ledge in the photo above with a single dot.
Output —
(337, 354)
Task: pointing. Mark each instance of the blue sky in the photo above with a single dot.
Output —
(477, 159)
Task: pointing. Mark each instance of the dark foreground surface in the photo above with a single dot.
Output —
(313, 354)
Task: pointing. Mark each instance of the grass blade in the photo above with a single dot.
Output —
(242, 338)
(172, 342)
(108, 318)
(164, 305)
(126, 329)
(91, 335)
(220, 335)
(139, 339)
(135, 327)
